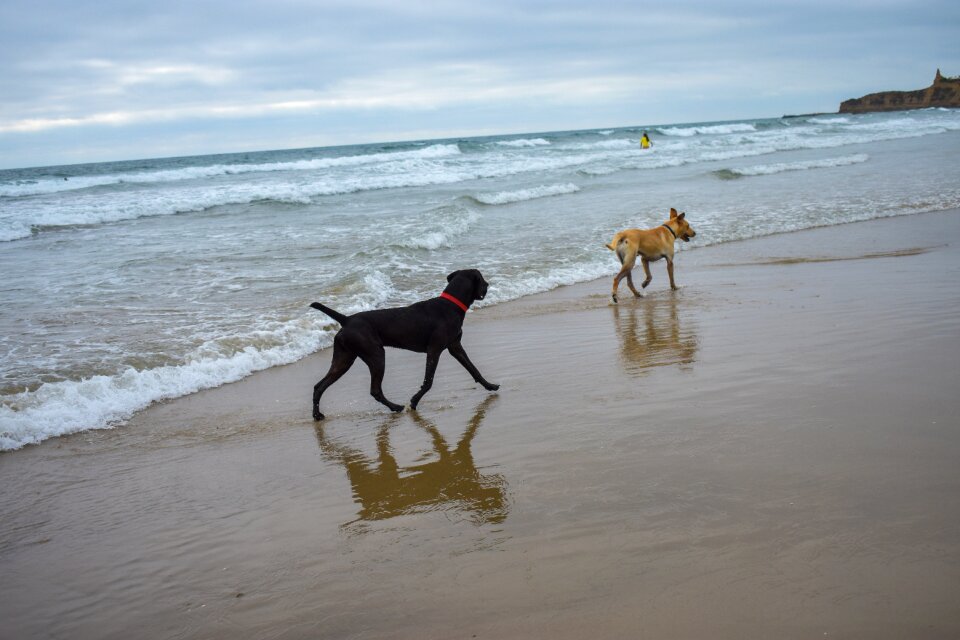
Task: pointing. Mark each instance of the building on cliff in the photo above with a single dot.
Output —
(944, 92)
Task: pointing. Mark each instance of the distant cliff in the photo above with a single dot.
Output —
(944, 92)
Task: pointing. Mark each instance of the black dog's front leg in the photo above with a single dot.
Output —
(433, 358)
(457, 351)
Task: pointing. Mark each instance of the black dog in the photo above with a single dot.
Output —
(427, 327)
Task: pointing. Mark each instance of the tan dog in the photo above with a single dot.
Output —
(651, 245)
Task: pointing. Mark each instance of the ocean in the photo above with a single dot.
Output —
(129, 283)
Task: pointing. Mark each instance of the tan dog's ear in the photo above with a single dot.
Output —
(673, 213)
(682, 215)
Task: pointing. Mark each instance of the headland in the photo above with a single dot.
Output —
(944, 92)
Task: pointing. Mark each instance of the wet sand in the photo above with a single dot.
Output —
(771, 452)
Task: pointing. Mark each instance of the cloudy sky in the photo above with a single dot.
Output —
(86, 81)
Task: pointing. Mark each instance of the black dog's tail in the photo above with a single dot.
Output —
(339, 317)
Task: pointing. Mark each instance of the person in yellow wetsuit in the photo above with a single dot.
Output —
(645, 141)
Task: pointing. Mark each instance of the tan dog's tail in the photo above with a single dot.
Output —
(615, 246)
(613, 243)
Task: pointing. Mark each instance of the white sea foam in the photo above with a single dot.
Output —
(14, 230)
(780, 167)
(524, 142)
(376, 291)
(543, 191)
(890, 124)
(617, 144)
(101, 402)
(441, 230)
(830, 120)
(55, 185)
(17, 221)
(715, 129)
(646, 161)
(514, 288)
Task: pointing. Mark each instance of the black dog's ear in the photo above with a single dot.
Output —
(450, 277)
(481, 291)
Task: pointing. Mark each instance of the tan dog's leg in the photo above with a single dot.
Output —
(646, 271)
(670, 272)
(628, 261)
(636, 293)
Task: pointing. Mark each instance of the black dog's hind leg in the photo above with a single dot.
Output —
(343, 359)
(433, 358)
(376, 359)
(457, 351)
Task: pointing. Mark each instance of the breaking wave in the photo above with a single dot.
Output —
(20, 188)
(524, 142)
(436, 231)
(780, 167)
(707, 130)
(520, 195)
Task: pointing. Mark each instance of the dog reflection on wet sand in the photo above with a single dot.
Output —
(450, 481)
(651, 335)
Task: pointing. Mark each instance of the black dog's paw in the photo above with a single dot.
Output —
(396, 408)
(491, 387)
(317, 415)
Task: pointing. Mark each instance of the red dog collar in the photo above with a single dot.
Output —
(447, 296)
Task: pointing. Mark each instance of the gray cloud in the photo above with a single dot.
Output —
(168, 74)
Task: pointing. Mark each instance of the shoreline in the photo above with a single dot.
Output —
(769, 451)
(681, 250)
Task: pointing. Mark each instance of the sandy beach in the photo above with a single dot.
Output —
(769, 452)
